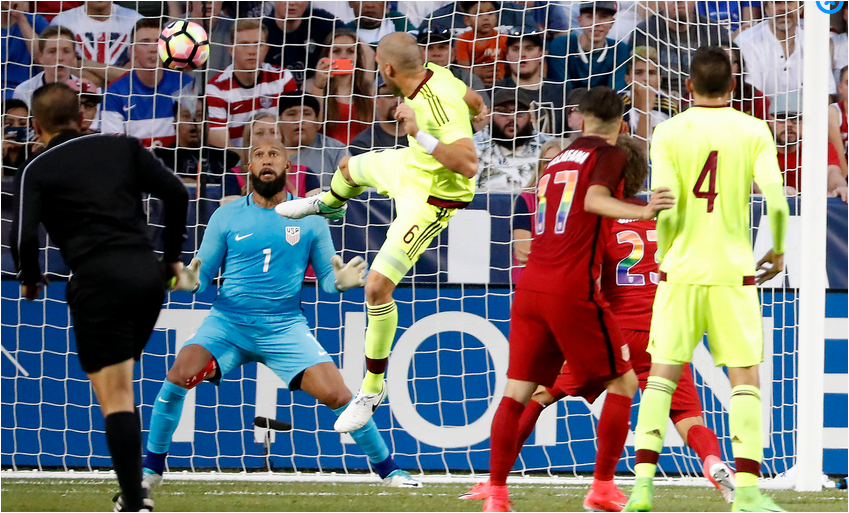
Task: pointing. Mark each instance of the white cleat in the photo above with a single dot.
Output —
(401, 479)
(722, 478)
(303, 207)
(358, 413)
(150, 479)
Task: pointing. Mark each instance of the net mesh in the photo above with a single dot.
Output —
(451, 361)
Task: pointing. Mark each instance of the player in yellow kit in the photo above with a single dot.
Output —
(707, 156)
(429, 181)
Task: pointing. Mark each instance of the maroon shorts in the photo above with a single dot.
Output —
(548, 329)
(685, 400)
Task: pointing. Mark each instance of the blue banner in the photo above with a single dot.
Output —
(445, 375)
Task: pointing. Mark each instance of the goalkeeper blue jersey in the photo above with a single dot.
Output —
(264, 257)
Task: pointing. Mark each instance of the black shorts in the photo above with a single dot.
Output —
(115, 297)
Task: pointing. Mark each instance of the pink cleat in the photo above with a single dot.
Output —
(479, 492)
(498, 499)
(604, 496)
(721, 476)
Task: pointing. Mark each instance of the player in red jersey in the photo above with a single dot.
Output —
(629, 281)
(558, 312)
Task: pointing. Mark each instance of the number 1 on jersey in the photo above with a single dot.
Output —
(709, 172)
(267, 253)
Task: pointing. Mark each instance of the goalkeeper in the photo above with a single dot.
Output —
(257, 315)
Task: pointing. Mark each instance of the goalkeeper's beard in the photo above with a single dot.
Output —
(268, 189)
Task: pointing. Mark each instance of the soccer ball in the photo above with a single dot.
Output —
(183, 44)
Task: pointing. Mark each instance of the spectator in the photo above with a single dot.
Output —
(57, 56)
(772, 51)
(104, 34)
(676, 33)
(300, 181)
(549, 17)
(837, 121)
(435, 45)
(16, 135)
(839, 43)
(346, 97)
(525, 207)
(590, 58)
(451, 17)
(295, 35)
(508, 150)
(482, 48)
(733, 16)
(745, 97)
(645, 106)
(526, 70)
(140, 104)
(786, 109)
(17, 37)
(386, 132)
(374, 20)
(91, 99)
(189, 159)
(247, 86)
(300, 125)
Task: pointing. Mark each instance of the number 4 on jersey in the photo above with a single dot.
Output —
(708, 172)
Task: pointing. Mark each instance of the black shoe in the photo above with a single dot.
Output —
(147, 502)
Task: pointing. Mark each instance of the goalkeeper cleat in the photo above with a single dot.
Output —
(150, 479)
(479, 492)
(303, 207)
(749, 498)
(358, 413)
(721, 477)
(641, 495)
(498, 499)
(147, 502)
(401, 479)
(604, 496)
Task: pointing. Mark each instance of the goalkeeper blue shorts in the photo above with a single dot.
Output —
(286, 346)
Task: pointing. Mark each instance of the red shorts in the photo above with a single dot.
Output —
(548, 329)
(685, 400)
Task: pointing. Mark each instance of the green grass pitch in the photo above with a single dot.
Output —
(96, 495)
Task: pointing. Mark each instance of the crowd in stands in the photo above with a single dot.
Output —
(304, 72)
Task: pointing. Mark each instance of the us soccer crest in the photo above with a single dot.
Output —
(293, 234)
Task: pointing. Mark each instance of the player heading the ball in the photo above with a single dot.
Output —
(429, 182)
(708, 156)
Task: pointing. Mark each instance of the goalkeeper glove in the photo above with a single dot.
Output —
(189, 278)
(350, 275)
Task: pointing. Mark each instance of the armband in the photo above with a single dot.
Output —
(427, 141)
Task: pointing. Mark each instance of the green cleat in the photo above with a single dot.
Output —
(641, 495)
(749, 498)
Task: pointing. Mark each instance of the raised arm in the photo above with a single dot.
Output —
(458, 156)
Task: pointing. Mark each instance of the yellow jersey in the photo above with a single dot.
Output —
(441, 112)
(708, 158)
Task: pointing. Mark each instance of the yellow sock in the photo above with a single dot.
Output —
(380, 334)
(340, 191)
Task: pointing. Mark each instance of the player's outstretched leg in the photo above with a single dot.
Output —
(651, 428)
(746, 429)
(382, 324)
(331, 204)
(189, 371)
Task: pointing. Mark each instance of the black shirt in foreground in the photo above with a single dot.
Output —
(87, 192)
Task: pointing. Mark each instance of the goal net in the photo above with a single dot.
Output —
(448, 367)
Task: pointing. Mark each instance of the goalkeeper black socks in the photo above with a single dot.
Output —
(123, 436)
